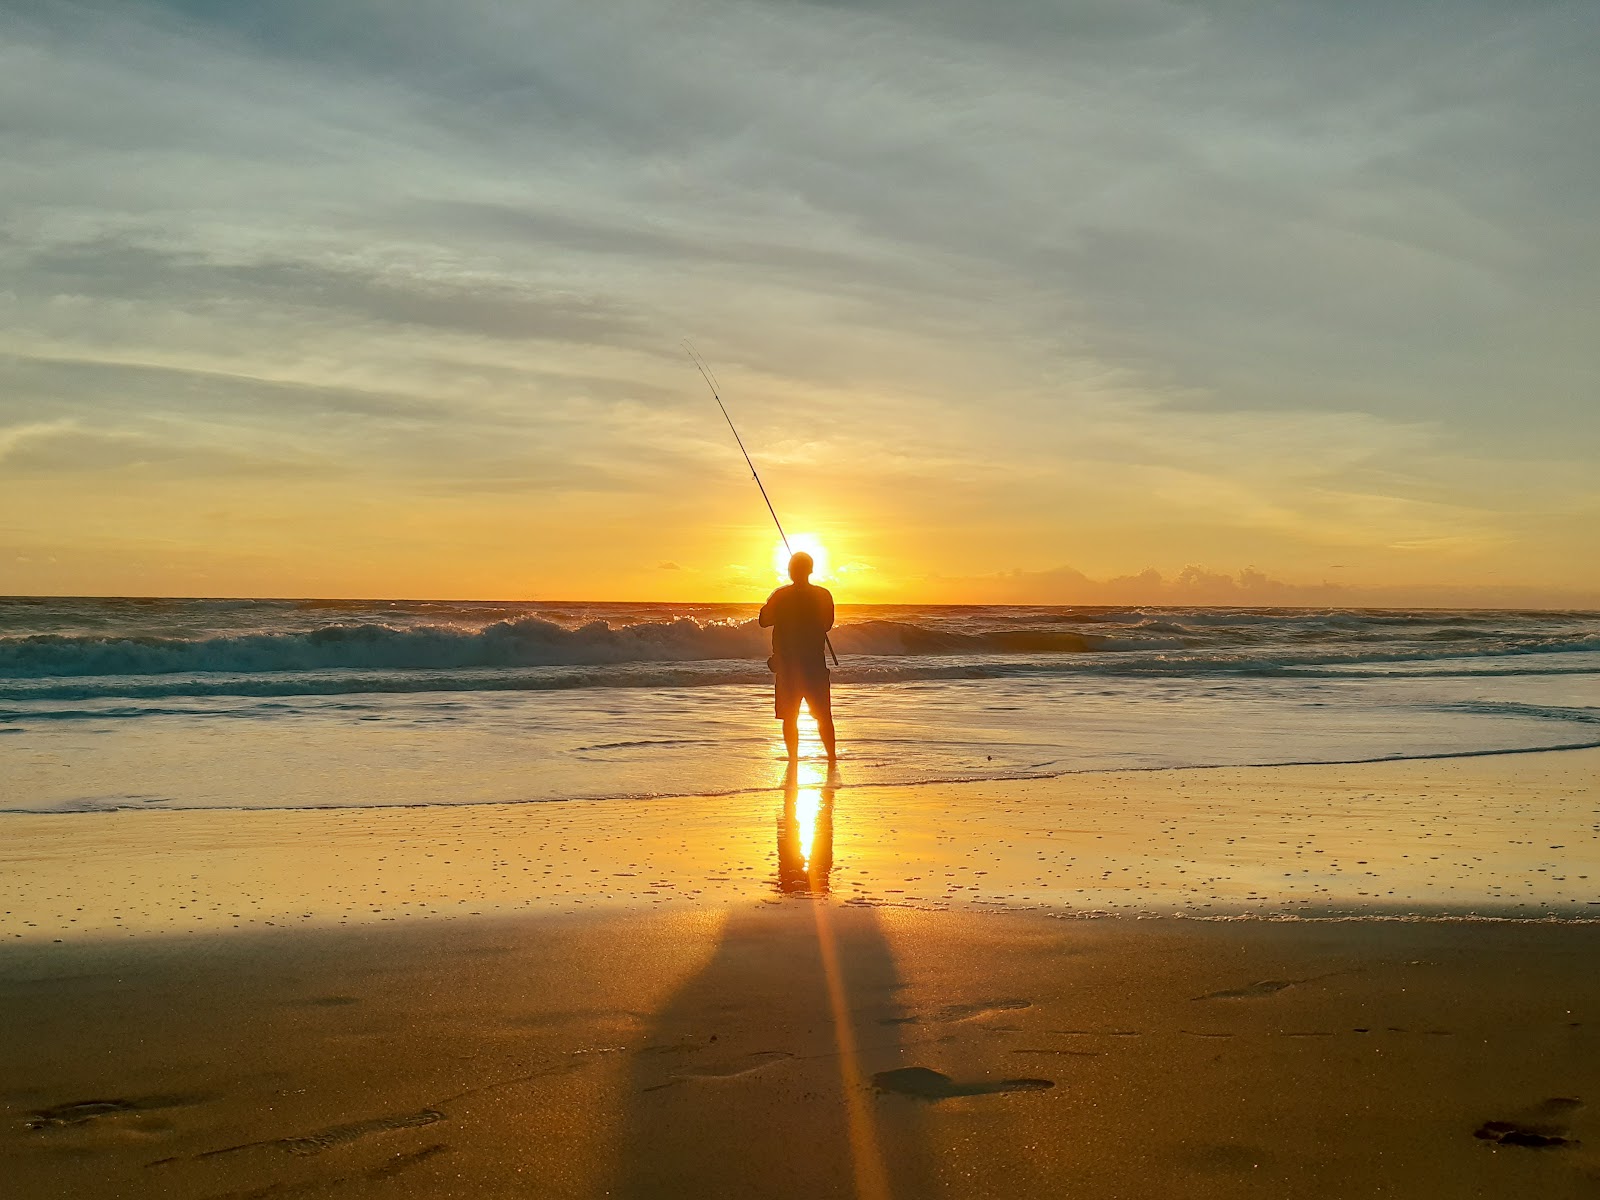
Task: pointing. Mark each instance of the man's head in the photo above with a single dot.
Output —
(800, 567)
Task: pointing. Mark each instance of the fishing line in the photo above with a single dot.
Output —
(705, 373)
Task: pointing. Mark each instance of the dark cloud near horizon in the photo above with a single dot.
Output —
(1250, 588)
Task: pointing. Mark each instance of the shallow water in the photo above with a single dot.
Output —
(262, 704)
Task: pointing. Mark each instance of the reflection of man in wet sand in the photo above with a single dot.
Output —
(800, 615)
(805, 834)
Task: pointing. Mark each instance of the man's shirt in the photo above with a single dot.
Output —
(800, 615)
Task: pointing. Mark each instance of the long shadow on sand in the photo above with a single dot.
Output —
(756, 1076)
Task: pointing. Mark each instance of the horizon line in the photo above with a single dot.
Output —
(1541, 608)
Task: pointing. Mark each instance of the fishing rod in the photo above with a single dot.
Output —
(711, 382)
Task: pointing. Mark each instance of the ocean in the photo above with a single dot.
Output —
(183, 703)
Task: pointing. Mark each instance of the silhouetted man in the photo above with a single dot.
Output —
(800, 615)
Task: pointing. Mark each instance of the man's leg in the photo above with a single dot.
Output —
(821, 708)
(825, 729)
(786, 706)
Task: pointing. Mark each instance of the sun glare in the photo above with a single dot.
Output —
(812, 545)
(806, 807)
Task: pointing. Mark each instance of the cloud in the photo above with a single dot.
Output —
(114, 267)
(1247, 588)
(1148, 281)
(70, 451)
(15, 439)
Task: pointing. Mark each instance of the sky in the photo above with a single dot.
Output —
(1112, 301)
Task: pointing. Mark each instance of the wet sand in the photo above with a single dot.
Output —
(740, 1033)
(1499, 835)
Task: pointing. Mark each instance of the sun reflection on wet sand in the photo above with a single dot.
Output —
(805, 828)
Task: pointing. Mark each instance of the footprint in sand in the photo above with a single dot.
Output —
(924, 1083)
(309, 1144)
(82, 1112)
(1063, 1053)
(1267, 987)
(402, 1162)
(338, 1135)
(966, 1012)
(732, 1069)
(1542, 1127)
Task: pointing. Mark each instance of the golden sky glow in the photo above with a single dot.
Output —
(1129, 303)
(802, 543)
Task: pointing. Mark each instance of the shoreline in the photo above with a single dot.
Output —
(861, 786)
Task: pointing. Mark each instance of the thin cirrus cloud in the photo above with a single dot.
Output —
(389, 297)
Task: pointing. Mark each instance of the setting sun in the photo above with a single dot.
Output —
(812, 545)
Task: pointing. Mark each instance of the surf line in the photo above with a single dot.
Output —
(711, 382)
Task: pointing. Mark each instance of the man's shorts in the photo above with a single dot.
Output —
(791, 687)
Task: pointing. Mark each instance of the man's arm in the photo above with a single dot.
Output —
(764, 618)
(826, 610)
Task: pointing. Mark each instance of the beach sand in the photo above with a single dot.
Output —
(649, 999)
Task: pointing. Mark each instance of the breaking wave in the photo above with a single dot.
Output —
(526, 642)
(282, 648)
